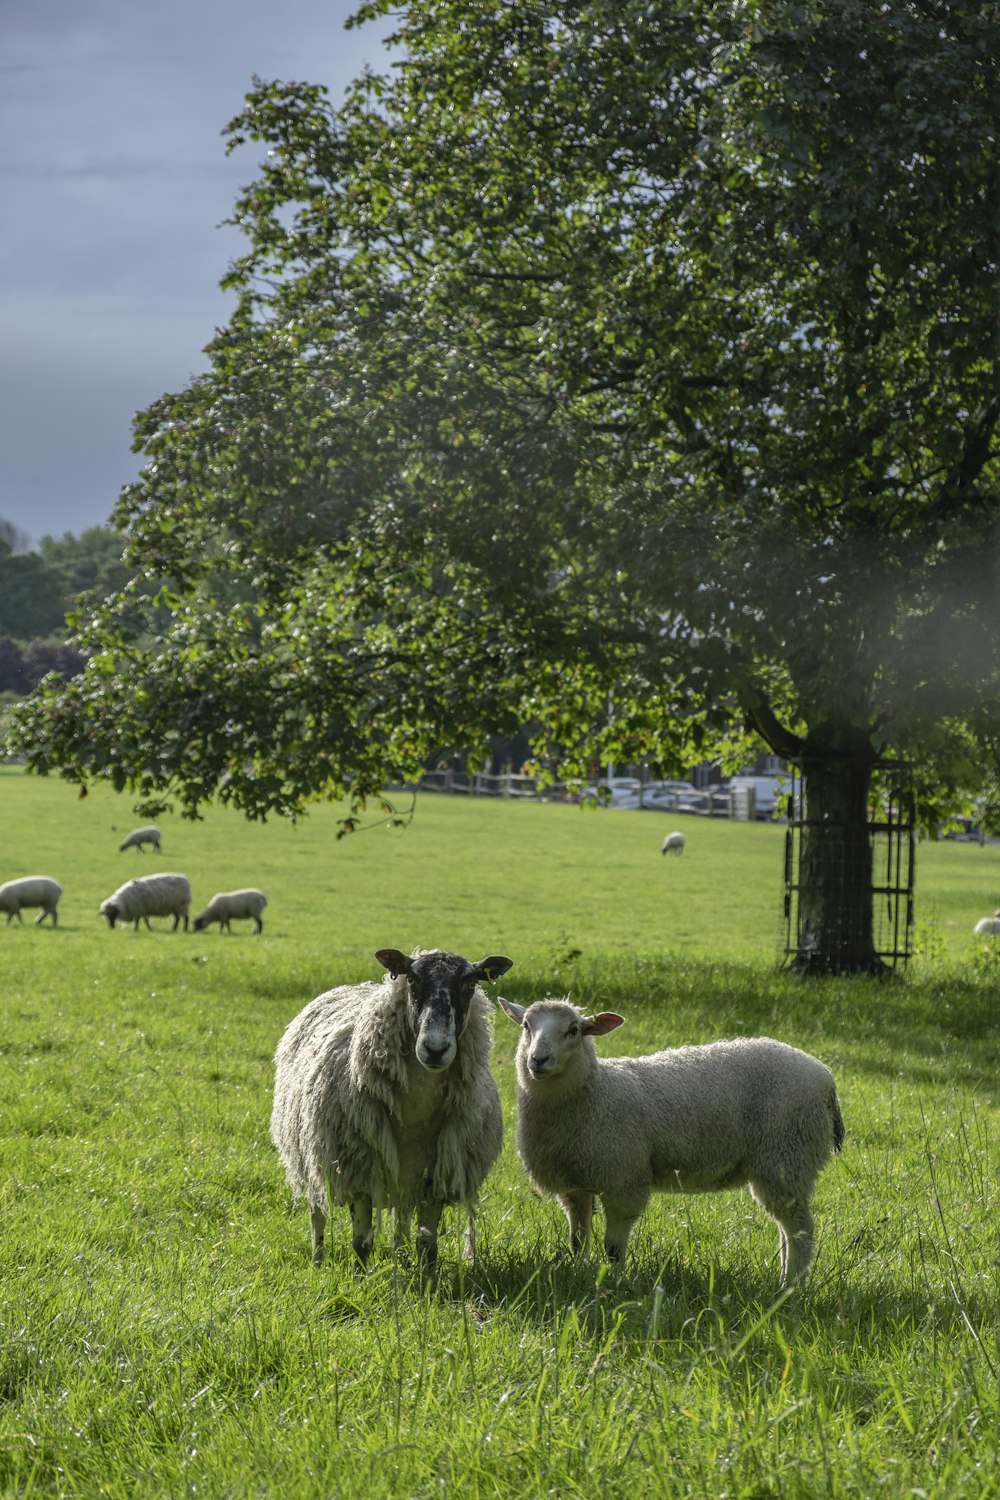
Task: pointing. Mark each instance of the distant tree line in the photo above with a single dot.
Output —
(23, 665)
(39, 588)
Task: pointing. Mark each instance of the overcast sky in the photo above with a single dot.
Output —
(113, 183)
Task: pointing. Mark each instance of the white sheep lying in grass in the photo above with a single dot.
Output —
(229, 906)
(383, 1097)
(30, 891)
(988, 926)
(148, 896)
(673, 844)
(751, 1112)
(140, 836)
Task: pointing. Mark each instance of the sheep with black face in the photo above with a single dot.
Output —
(383, 1097)
(166, 895)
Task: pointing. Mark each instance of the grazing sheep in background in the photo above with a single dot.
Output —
(383, 1097)
(149, 896)
(225, 906)
(751, 1112)
(140, 836)
(673, 844)
(988, 926)
(30, 891)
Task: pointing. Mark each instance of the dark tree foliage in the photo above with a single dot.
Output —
(22, 666)
(30, 598)
(88, 563)
(39, 589)
(16, 539)
(615, 368)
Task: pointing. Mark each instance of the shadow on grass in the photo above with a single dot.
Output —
(707, 1307)
(926, 1028)
(660, 1301)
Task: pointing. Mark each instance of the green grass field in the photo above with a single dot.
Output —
(163, 1333)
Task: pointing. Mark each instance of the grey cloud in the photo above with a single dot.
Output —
(114, 184)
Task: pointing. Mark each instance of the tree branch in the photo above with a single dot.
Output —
(977, 450)
(762, 719)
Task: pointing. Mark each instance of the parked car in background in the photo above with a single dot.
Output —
(667, 796)
(613, 791)
(652, 796)
(711, 802)
(763, 796)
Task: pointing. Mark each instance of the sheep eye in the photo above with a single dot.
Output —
(573, 1031)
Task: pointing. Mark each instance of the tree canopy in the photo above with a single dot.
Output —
(620, 369)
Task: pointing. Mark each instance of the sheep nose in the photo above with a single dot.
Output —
(539, 1063)
(432, 1056)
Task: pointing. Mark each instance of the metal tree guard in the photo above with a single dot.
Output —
(892, 838)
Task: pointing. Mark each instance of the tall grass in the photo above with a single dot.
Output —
(161, 1328)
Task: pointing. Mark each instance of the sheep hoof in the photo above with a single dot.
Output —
(427, 1252)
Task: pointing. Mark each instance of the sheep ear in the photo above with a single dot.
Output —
(492, 968)
(608, 1020)
(511, 1008)
(394, 961)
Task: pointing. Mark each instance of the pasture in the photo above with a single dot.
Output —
(163, 1332)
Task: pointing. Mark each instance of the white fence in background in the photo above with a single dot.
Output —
(714, 802)
(481, 784)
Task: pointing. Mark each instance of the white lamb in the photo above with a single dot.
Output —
(140, 836)
(30, 891)
(751, 1112)
(148, 896)
(673, 844)
(228, 906)
(988, 926)
(383, 1097)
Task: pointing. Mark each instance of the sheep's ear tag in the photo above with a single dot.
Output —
(608, 1020)
(492, 968)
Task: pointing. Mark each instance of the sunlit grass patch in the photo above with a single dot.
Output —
(162, 1330)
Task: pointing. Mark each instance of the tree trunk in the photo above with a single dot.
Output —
(835, 907)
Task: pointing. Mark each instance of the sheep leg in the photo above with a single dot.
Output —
(794, 1219)
(579, 1210)
(317, 1228)
(428, 1219)
(469, 1242)
(363, 1235)
(796, 1226)
(620, 1218)
(401, 1221)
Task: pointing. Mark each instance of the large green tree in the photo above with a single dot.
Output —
(613, 366)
